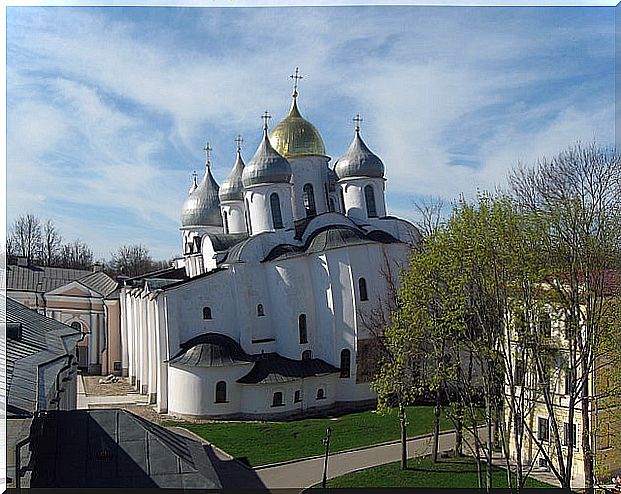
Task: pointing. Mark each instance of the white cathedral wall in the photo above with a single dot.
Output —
(308, 170)
(235, 216)
(258, 200)
(353, 196)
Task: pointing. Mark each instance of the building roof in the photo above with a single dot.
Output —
(211, 350)
(266, 166)
(202, 207)
(272, 368)
(115, 448)
(359, 161)
(100, 282)
(42, 342)
(232, 189)
(40, 278)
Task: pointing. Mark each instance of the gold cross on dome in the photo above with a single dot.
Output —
(296, 77)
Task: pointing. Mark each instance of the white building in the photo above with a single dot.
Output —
(261, 317)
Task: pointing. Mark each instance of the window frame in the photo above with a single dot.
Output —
(303, 329)
(370, 201)
(276, 210)
(207, 314)
(281, 402)
(219, 390)
(363, 289)
(345, 371)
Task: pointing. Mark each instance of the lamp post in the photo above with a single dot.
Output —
(326, 443)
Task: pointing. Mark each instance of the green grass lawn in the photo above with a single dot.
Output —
(260, 443)
(422, 472)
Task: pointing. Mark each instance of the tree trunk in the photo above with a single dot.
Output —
(490, 445)
(436, 428)
(459, 436)
(587, 453)
(404, 438)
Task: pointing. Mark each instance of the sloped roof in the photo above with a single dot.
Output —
(43, 340)
(211, 350)
(272, 368)
(99, 282)
(115, 448)
(40, 278)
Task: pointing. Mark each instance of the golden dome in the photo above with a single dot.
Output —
(295, 137)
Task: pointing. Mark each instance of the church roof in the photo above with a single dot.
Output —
(359, 161)
(266, 166)
(115, 448)
(202, 207)
(295, 137)
(41, 278)
(232, 189)
(272, 368)
(210, 350)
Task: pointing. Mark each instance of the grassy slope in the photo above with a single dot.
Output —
(448, 473)
(260, 443)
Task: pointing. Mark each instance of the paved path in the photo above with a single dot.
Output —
(305, 473)
(84, 400)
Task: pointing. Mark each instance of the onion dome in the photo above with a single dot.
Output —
(266, 166)
(295, 137)
(202, 207)
(359, 161)
(232, 189)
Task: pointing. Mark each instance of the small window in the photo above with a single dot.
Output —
(568, 382)
(369, 197)
(297, 398)
(519, 374)
(331, 205)
(247, 216)
(308, 197)
(276, 213)
(302, 329)
(342, 201)
(307, 355)
(260, 311)
(321, 394)
(206, 312)
(566, 436)
(76, 325)
(277, 399)
(362, 288)
(221, 392)
(543, 429)
(345, 363)
(545, 325)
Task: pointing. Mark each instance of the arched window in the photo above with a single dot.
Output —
(362, 288)
(276, 214)
(342, 199)
(76, 325)
(277, 399)
(206, 312)
(297, 398)
(302, 328)
(321, 394)
(345, 363)
(308, 196)
(369, 197)
(331, 205)
(225, 219)
(247, 215)
(307, 355)
(260, 311)
(221, 392)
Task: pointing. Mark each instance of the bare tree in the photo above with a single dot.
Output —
(430, 215)
(51, 243)
(25, 237)
(77, 255)
(131, 260)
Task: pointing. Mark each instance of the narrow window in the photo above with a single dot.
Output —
(308, 196)
(331, 205)
(342, 199)
(362, 288)
(225, 218)
(276, 214)
(302, 328)
(369, 197)
(345, 363)
(566, 436)
(306, 355)
(221, 392)
(277, 399)
(297, 397)
(568, 382)
(247, 215)
(321, 394)
(545, 325)
(519, 374)
(543, 429)
(260, 310)
(206, 312)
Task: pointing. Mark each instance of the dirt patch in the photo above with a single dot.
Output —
(145, 411)
(120, 388)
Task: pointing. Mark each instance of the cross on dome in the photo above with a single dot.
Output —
(207, 150)
(296, 77)
(238, 140)
(266, 118)
(357, 119)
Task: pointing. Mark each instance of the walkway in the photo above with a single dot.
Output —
(97, 401)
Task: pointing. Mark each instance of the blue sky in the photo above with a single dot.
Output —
(108, 109)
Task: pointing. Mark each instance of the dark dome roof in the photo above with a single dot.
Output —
(210, 350)
(359, 161)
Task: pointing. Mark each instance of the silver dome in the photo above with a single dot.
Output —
(266, 166)
(232, 189)
(202, 207)
(359, 161)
